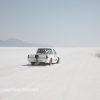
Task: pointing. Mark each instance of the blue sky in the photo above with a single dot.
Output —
(53, 22)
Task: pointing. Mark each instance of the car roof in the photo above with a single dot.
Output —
(44, 48)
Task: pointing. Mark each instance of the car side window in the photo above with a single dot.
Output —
(50, 52)
(54, 51)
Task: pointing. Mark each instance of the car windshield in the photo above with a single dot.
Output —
(45, 51)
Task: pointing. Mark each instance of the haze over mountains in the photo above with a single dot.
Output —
(12, 42)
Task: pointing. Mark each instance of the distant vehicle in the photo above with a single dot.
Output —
(44, 55)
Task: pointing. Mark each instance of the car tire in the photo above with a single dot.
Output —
(58, 61)
(32, 63)
(50, 63)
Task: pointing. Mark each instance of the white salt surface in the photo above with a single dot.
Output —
(77, 77)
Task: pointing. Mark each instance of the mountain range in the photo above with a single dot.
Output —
(12, 42)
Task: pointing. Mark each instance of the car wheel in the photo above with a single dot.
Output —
(58, 61)
(50, 63)
(32, 63)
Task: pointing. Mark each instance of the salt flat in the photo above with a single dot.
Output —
(77, 77)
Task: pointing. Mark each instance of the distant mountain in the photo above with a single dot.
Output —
(12, 42)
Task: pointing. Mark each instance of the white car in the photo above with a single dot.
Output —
(44, 55)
